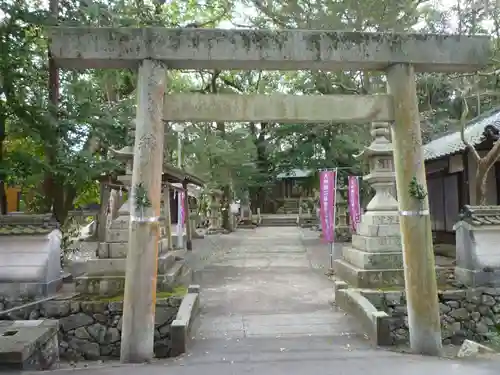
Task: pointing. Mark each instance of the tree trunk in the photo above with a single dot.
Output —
(481, 183)
(63, 198)
(3, 195)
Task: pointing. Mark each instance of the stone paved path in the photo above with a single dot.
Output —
(266, 311)
(262, 284)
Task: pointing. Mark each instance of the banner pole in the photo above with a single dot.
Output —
(332, 246)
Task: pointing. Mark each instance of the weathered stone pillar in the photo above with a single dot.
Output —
(415, 222)
(187, 215)
(375, 258)
(144, 229)
(102, 218)
(168, 215)
(215, 214)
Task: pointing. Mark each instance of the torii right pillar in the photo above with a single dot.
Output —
(414, 216)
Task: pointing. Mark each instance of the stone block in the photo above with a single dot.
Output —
(380, 218)
(477, 238)
(100, 285)
(117, 235)
(378, 278)
(194, 288)
(121, 223)
(103, 250)
(113, 285)
(30, 265)
(375, 323)
(471, 348)
(372, 260)
(477, 278)
(118, 250)
(28, 345)
(114, 266)
(361, 278)
(379, 230)
(181, 326)
(377, 244)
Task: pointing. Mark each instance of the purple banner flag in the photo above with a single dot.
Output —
(327, 189)
(354, 203)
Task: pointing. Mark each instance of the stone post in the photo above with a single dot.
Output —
(415, 222)
(215, 214)
(187, 215)
(168, 215)
(103, 212)
(375, 259)
(144, 230)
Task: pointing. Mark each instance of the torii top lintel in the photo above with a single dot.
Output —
(81, 47)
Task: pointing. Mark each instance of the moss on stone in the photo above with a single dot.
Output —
(176, 292)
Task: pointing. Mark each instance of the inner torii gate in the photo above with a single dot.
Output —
(154, 50)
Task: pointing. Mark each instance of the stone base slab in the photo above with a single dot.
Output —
(180, 329)
(117, 250)
(361, 278)
(169, 276)
(112, 266)
(373, 261)
(381, 278)
(477, 278)
(115, 285)
(216, 230)
(28, 345)
(377, 244)
(30, 289)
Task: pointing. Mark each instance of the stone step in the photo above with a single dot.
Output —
(111, 285)
(113, 266)
(173, 273)
(117, 250)
(278, 224)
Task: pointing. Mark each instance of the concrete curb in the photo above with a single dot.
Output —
(180, 328)
(374, 322)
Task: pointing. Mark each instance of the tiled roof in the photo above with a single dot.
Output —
(295, 173)
(481, 215)
(26, 224)
(452, 143)
(11, 230)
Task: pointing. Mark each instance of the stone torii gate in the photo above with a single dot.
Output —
(153, 50)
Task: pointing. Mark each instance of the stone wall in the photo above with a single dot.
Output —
(92, 329)
(465, 314)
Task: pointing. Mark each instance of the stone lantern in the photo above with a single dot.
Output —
(215, 213)
(379, 156)
(375, 257)
(125, 155)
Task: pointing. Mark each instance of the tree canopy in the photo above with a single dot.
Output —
(57, 154)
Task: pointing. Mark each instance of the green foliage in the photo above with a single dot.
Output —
(57, 159)
(416, 190)
(141, 195)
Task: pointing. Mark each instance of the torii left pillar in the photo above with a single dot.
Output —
(144, 230)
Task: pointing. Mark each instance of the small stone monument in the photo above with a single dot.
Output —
(106, 275)
(375, 258)
(27, 345)
(30, 264)
(245, 219)
(477, 239)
